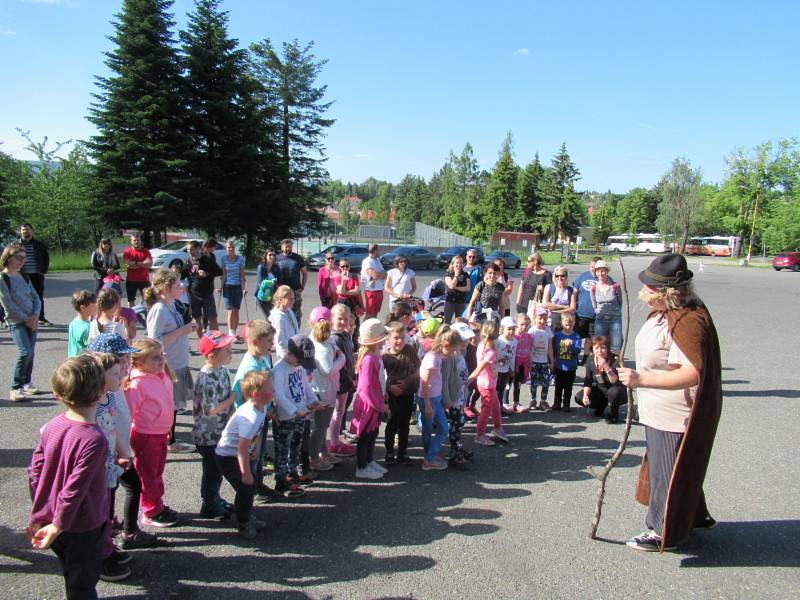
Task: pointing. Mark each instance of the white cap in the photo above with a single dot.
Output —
(508, 322)
(464, 330)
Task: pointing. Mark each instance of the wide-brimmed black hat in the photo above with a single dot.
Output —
(669, 270)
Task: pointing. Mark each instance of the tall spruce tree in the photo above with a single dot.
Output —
(561, 210)
(497, 209)
(141, 148)
(230, 139)
(529, 194)
(292, 99)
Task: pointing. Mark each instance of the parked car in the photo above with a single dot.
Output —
(445, 256)
(786, 260)
(354, 253)
(419, 259)
(174, 253)
(511, 260)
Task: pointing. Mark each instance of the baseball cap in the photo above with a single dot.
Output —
(464, 330)
(320, 313)
(508, 322)
(302, 349)
(112, 343)
(430, 325)
(213, 340)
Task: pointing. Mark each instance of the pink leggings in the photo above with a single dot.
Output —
(150, 456)
(490, 406)
(336, 420)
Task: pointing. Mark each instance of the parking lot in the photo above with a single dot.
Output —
(514, 525)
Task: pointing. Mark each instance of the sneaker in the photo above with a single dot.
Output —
(649, 541)
(119, 556)
(112, 571)
(214, 511)
(404, 459)
(226, 505)
(290, 489)
(500, 435)
(257, 523)
(376, 467)
(135, 540)
(707, 523)
(437, 465)
(247, 531)
(469, 413)
(180, 448)
(349, 436)
(612, 420)
(389, 459)
(17, 396)
(166, 518)
(532, 407)
(545, 407)
(343, 450)
(264, 490)
(367, 473)
(321, 465)
(334, 460)
(29, 390)
(520, 409)
(506, 410)
(484, 440)
(44, 322)
(306, 479)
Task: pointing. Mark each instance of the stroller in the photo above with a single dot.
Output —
(433, 297)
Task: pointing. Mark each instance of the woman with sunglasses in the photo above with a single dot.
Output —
(348, 291)
(104, 262)
(266, 281)
(559, 298)
(401, 282)
(326, 285)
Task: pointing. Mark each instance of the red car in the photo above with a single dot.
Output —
(786, 260)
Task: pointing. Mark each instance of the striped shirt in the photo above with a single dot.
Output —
(30, 265)
(232, 270)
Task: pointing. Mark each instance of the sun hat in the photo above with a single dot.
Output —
(213, 340)
(600, 264)
(112, 343)
(508, 322)
(430, 326)
(464, 330)
(372, 331)
(669, 270)
(302, 348)
(320, 313)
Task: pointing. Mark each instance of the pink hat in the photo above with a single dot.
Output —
(541, 311)
(321, 313)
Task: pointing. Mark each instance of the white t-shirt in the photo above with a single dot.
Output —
(401, 281)
(506, 354)
(245, 423)
(667, 410)
(375, 265)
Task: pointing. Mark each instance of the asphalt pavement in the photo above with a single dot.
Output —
(513, 525)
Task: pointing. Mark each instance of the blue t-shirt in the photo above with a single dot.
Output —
(249, 363)
(566, 349)
(233, 270)
(583, 283)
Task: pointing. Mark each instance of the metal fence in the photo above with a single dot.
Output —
(428, 236)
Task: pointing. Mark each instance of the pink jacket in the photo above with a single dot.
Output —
(368, 405)
(150, 401)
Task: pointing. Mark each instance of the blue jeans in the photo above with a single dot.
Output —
(439, 419)
(211, 478)
(25, 339)
(612, 329)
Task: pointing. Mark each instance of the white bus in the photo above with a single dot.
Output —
(641, 242)
(714, 245)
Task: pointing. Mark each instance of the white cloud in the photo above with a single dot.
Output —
(7, 32)
(523, 51)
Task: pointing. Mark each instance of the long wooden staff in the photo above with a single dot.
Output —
(603, 475)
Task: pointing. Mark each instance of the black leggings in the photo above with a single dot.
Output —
(400, 409)
(564, 381)
(519, 379)
(502, 381)
(365, 448)
(132, 485)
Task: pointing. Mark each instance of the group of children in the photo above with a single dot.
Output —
(122, 396)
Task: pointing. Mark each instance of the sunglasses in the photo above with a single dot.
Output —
(271, 254)
(344, 266)
(328, 259)
(560, 276)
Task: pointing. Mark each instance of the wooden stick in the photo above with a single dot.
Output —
(603, 475)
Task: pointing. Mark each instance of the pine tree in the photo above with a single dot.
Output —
(411, 195)
(561, 209)
(528, 194)
(141, 148)
(497, 209)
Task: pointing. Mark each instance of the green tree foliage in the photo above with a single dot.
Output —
(498, 207)
(781, 230)
(637, 211)
(604, 215)
(347, 221)
(141, 148)
(411, 196)
(291, 96)
(680, 201)
(529, 199)
(561, 210)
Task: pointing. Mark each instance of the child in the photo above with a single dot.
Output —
(401, 312)
(566, 348)
(238, 448)
(83, 303)
(426, 333)
(149, 394)
(541, 359)
(343, 337)
(471, 356)
(369, 402)
(67, 479)
(165, 324)
(294, 400)
(283, 319)
(522, 364)
(506, 349)
(131, 536)
(107, 321)
(402, 375)
(454, 380)
(259, 336)
(325, 383)
(485, 373)
(211, 405)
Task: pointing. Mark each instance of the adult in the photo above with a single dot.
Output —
(679, 391)
(266, 280)
(22, 304)
(372, 276)
(348, 291)
(488, 294)
(457, 283)
(105, 263)
(601, 385)
(401, 282)
(37, 263)
(534, 279)
(607, 303)
(326, 288)
(292, 271)
(584, 313)
(234, 286)
(138, 261)
(558, 298)
(508, 284)
(201, 269)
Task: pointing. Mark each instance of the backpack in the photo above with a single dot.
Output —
(266, 290)
(616, 293)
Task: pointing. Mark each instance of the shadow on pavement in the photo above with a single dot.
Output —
(745, 544)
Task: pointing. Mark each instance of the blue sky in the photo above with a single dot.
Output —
(628, 86)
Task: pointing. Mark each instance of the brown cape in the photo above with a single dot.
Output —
(693, 330)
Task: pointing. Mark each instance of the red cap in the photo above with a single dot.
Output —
(213, 340)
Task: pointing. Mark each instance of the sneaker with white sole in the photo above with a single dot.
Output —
(113, 571)
(376, 467)
(17, 396)
(321, 465)
(436, 465)
(29, 390)
(500, 435)
(649, 541)
(166, 518)
(247, 531)
(367, 473)
(137, 539)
